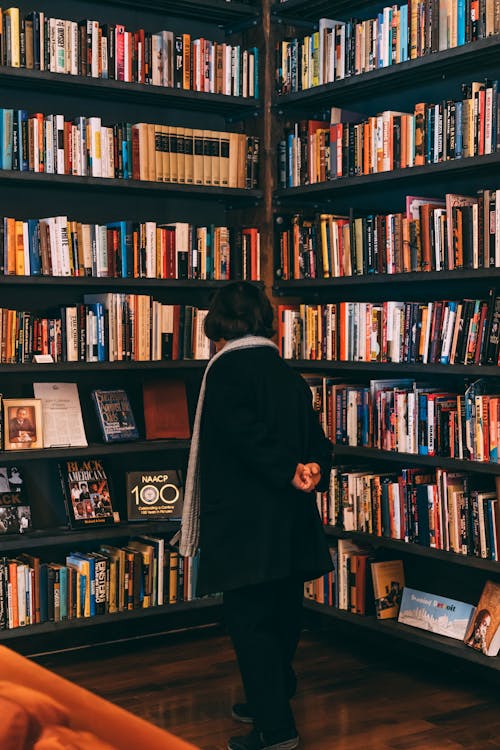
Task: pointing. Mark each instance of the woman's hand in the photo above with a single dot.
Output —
(306, 477)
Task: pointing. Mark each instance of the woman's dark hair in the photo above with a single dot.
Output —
(239, 309)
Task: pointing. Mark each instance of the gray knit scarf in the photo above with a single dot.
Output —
(190, 530)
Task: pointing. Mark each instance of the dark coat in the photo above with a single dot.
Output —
(257, 425)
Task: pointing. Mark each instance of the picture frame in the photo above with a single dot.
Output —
(23, 427)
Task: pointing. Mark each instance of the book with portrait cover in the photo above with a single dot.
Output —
(154, 495)
(87, 493)
(388, 581)
(15, 510)
(115, 415)
(439, 614)
(483, 633)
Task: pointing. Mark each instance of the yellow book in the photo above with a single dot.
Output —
(19, 245)
(189, 156)
(198, 157)
(15, 38)
(233, 159)
(324, 245)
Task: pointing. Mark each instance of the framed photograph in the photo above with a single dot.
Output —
(22, 423)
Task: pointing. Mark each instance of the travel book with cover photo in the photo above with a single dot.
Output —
(154, 495)
(438, 614)
(15, 510)
(87, 493)
(115, 415)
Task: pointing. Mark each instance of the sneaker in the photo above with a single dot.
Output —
(256, 741)
(242, 712)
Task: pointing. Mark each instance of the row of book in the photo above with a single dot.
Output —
(402, 416)
(398, 33)
(442, 332)
(106, 327)
(351, 144)
(83, 146)
(434, 508)
(90, 48)
(433, 234)
(53, 419)
(144, 573)
(58, 246)
(362, 584)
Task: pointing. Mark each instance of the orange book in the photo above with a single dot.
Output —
(12, 591)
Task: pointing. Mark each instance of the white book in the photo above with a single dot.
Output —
(228, 50)
(59, 140)
(42, 39)
(61, 415)
(94, 27)
(63, 245)
(104, 57)
(71, 334)
(74, 48)
(94, 144)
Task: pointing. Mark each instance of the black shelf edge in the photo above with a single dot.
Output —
(92, 533)
(84, 622)
(475, 371)
(193, 285)
(426, 68)
(314, 9)
(177, 364)
(221, 12)
(23, 78)
(418, 637)
(454, 464)
(99, 449)
(443, 170)
(410, 548)
(291, 286)
(207, 192)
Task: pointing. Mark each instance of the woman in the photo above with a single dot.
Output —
(257, 454)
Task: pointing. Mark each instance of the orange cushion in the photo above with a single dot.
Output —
(65, 738)
(42, 709)
(15, 727)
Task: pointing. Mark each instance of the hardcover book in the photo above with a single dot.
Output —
(154, 495)
(438, 614)
(483, 633)
(15, 511)
(87, 493)
(388, 581)
(166, 409)
(115, 415)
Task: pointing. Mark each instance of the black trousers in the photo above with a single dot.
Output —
(264, 622)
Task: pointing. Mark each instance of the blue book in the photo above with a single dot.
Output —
(437, 614)
(115, 415)
(121, 226)
(460, 22)
(63, 592)
(422, 425)
(380, 55)
(403, 37)
(256, 70)
(91, 562)
(34, 247)
(290, 164)
(22, 142)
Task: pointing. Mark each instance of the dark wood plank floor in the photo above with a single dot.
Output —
(351, 696)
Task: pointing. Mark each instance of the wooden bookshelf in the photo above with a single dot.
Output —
(413, 636)
(379, 369)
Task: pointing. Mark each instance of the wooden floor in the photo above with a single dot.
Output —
(349, 698)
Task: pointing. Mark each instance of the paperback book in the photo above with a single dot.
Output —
(15, 510)
(438, 614)
(115, 415)
(483, 633)
(87, 493)
(388, 581)
(154, 495)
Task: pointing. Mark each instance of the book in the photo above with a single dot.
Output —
(115, 415)
(87, 493)
(166, 409)
(154, 495)
(61, 415)
(438, 614)
(388, 581)
(15, 510)
(483, 633)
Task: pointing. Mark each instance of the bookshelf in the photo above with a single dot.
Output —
(435, 77)
(97, 200)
